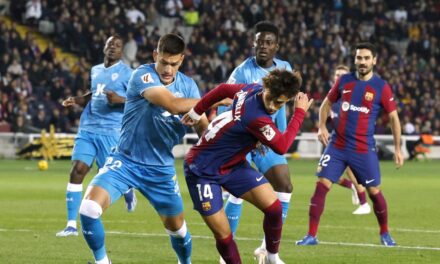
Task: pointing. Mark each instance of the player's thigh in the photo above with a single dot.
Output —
(261, 196)
(206, 195)
(332, 164)
(116, 177)
(84, 149)
(104, 144)
(218, 223)
(268, 160)
(162, 190)
(242, 180)
(366, 168)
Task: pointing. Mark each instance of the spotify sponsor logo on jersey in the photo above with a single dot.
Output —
(347, 106)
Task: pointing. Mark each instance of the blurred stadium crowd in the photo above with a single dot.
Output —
(315, 37)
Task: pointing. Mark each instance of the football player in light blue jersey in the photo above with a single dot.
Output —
(157, 94)
(100, 126)
(272, 165)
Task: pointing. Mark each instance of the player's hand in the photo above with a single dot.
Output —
(224, 102)
(69, 102)
(188, 121)
(112, 97)
(261, 149)
(398, 159)
(323, 135)
(302, 101)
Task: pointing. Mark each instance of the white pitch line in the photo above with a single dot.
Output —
(246, 239)
(284, 241)
(394, 229)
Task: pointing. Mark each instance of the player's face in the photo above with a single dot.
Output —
(113, 48)
(364, 61)
(266, 46)
(339, 73)
(273, 104)
(167, 65)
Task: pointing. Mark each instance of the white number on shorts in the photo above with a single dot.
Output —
(207, 193)
(324, 160)
(109, 164)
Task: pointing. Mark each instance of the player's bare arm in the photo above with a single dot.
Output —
(396, 129)
(161, 96)
(73, 100)
(114, 98)
(201, 126)
(324, 112)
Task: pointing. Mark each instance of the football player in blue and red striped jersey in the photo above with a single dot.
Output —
(362, 95)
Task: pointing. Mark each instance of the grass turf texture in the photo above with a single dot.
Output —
(32, 210)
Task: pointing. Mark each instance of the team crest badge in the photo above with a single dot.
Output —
(206, 206)
(268, 132)
(146, 78)
(369, 96)
(115, 76)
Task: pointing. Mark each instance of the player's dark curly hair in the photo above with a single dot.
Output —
(266, 26)
(283, 82)
(171, 43)
(369, 46)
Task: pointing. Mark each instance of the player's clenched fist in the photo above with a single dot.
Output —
(302, 101)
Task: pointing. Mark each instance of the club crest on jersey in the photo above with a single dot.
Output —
(146, 78)
(268, 132)
(206, 206)
(115, 76)
(369, 96)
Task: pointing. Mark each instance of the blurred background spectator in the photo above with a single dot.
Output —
(315, 37)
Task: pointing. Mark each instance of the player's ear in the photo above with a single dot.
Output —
(374, 60)
(155, 53)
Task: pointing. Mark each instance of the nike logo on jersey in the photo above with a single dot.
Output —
(256, 81)
(368, 181)
(346, 91)
(391, 99)
(259, 178)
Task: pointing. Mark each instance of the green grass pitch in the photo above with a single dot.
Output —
(32, 210)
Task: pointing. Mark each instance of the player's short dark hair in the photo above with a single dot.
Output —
(171, 43)
(369, 46)
(342, 67)
(266, 26)
(283, 82)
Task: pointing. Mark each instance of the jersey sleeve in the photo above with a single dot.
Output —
(387, 99)
(192, 90)
(268, 134)
(289, 67)
(334, 93)
(142, 80)
(217, 94)
(237, 76)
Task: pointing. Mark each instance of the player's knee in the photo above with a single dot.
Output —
(275, 210)
(283, 184)
(181, 232)
(78, 172)
(90, 209)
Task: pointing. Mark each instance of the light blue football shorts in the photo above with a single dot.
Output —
(90, 146)
(158, 184)
(266, 161)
